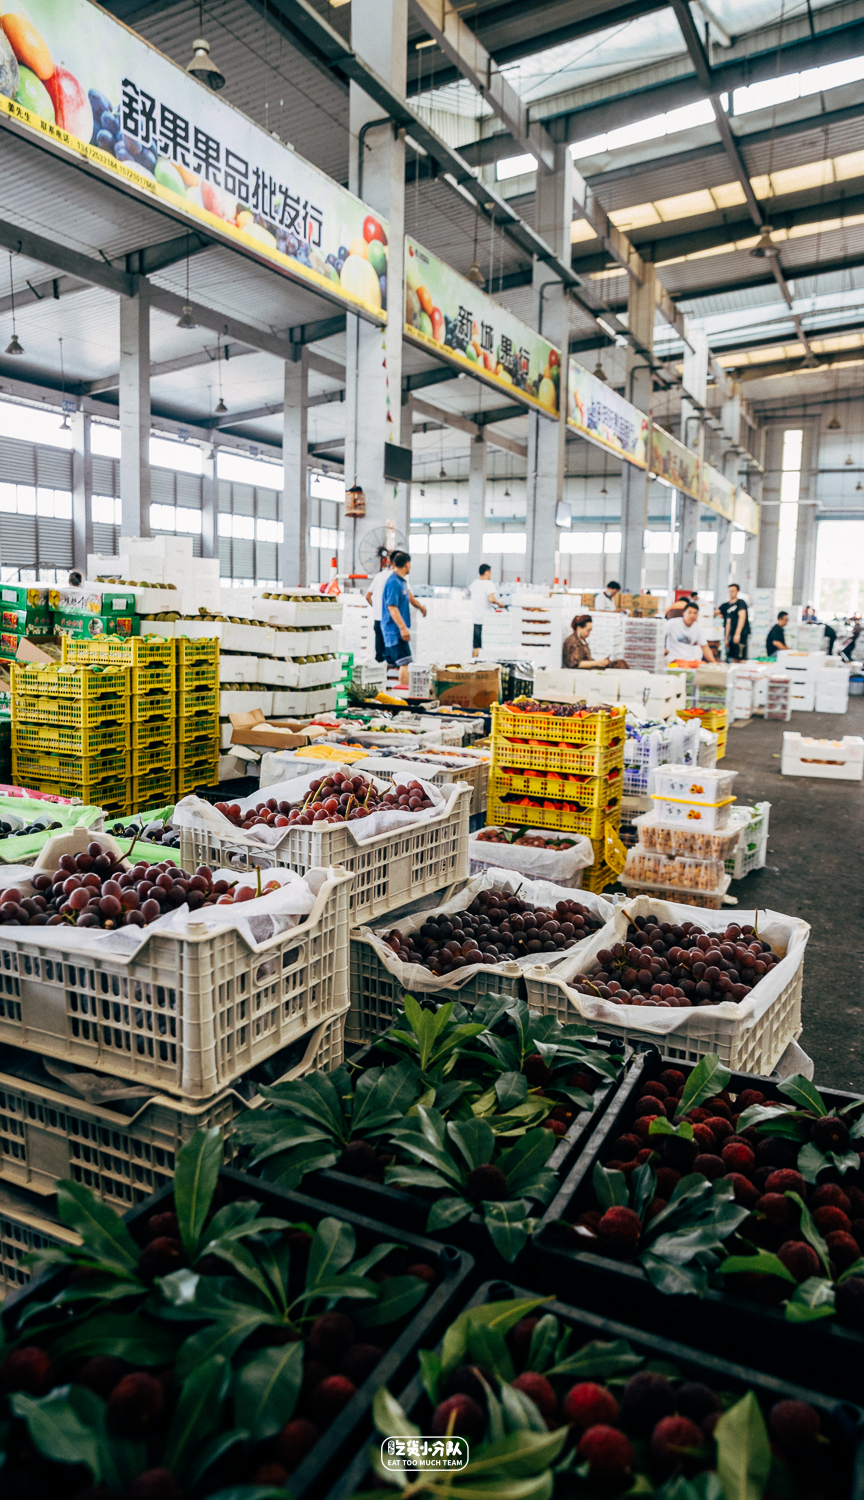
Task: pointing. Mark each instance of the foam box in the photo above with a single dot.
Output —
(827, 760)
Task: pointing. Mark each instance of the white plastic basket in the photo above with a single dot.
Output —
(22, 1229)
(749, 1037)
(191, 1010)
(562, 866)
(473, 770)
(752, 847)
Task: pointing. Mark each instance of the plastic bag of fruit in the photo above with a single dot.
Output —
(432, 973)
(528, 851)
(332, 796)
(786, 938)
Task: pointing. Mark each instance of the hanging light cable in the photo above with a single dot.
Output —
(202, 67)
(65, 425)
(186, 319)
(14, 346)
(475, 275)
(221, 408)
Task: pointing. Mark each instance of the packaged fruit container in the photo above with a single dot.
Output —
(685, 838)
(709, 816)
(354, 1298)
(693, 784)
(642, 1414)
(715, 1230)
(705, 900)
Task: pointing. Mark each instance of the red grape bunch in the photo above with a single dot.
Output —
(493, 930)
(670, 965)
(338, 798)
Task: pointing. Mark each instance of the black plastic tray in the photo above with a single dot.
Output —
(824, 1354)
(354, 1424)
(843, 1420)
(402, 1206)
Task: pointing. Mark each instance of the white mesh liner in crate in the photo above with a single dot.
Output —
(189, 1003)
(561, 866)
(394, 857)
(749, 1037)
(379, 979)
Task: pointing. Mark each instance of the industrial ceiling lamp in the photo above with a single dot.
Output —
(833, 425)
(599, 372)
(186, 319)
(475, 275)
(766, 249)
(221, 408)
(14, 346)
(201, 66)
(849, 460)
(65, 425)
(604, 490)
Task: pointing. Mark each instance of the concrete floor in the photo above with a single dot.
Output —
(815, 871)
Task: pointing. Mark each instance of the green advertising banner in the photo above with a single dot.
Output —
(79, 81)
(678, 465)
(447, 314)
(604, 417)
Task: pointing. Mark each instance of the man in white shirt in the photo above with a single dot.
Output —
(685, 639)
(605, 600)
(375, 597)
(482, 593)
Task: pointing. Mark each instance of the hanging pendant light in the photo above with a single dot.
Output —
(834, 425)
(186, 319)
(600, 373)
(766, 249)
(849, 460)
(221, 408)
(14, 346)
(202, 66)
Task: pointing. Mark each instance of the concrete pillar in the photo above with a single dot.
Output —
(692, 436)
(546, 439)
(476, 504)
(730, 416)
(209, 504)
(723, 560)
(685, 569)
(82, 491)
(135, 411)
(641, 304)
(805, 555)
(376, 172)
(402, 495)
(766, 570)
(292, 558)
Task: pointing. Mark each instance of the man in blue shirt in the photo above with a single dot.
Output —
(396, 615)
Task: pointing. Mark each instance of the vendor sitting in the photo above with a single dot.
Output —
(577, 653)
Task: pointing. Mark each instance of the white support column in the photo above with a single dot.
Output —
(403, 491)
(209, 503)
(641, 305)
(723, 559)
(82, 492)
(379, 34)
(135, 411)
(546, 439)
(476, 504)
(293, 558)
(805, 554)
(692, 436)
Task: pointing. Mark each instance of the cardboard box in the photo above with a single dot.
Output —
(23, 596)
(87, 627)
(467, 688)
(31, 622)
(92, 599)
(279, 734)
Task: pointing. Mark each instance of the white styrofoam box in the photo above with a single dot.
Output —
(550, 683)
(324, 610)
(294, 674)
(809, 662)
(226, 730)
(238, 668)
(828, 760)
(318, 701)
(705, 815)
(154, 601)
(240, 760)
(274, 671)
(831, 705)
(257, 639)
(802, 700)
(112, 565)
(167, 629)
(291, 643)
(243, 703)
(157, 546)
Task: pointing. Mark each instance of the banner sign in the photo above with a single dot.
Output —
(748, 513)
(78, 80)
(718, 492)
(679, 466)
(604, 417)
(447, 314)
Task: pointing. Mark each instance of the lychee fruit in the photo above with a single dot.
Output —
(778, 1211)
(856, 1199)
(136, 1404)
(738, 1157)
(679, 1154)
(296, 1439)
(101, 1374)
(466, 1380)
(830, 1195)
(626, 1147)
(590, 1220)
(359, 1159)
(461, 1416)
(785, 1181)
(160, 1258)
(655, 1207)
(154, 1484)
(720, 1129)
(849, 1301)
(676, 1445)
(830, 1134)
(710, 1166)
(649, 1106)
(162, 1227)
(800, 1259)
(273, 1476)
(330, 1397)
(609, 1456)
(657, 1089)
(588, 1404)
(746, 1193)
(667, 1181)
(697, 1401)
(842, 1248)
(28, 1369)
(538, 1389)
(329, 1337)
(487, 1184)
(520, 1336)
(423, 1272)
(672, 1080)
(831, 1218)
(538, 1072)
(359, 1362)
(620, 1228)
(705, 1138)
(646, 1398)
(772, 1151)
(858, 1232)
(747, 1098)
(794, 1426)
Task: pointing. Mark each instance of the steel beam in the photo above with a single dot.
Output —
(23, 241)
(29, 294)
(166, 367)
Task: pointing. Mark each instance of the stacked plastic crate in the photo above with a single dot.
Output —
(713, 719)
(197, 689)
(71, 731)
(566, 773)
(685, 840)
(644, 643)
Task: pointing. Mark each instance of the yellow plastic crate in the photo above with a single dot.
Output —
(77, 773)
(155, 705)
(111, 796)
(78, 713)
(196, 752)
(593, 791)
(68, 739)
(564, 818)
(540, 755)
(123, 651)
(152, 759)
(151, 679)
(197, 726)
(149, 733)
(597, 877)
(199, 700)
(34, 680)
(151, 791)
(195, 652)
(713, 719)
(203, 674)
(190, 779)
(589, 729)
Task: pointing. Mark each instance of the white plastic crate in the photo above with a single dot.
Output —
(563, 867)
(47, 1135)
(389, 870)
(186, 1013)
(828, 760)
(749, 1037)
(474, 771)
(419, 681)
(642, 752)
(369, 674)
(22, 1229)
(752, 847)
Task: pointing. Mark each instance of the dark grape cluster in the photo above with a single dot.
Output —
(492, 930)
(671, 964)
(9, 831)
(109, 135)
(151, 833)
(334, 799)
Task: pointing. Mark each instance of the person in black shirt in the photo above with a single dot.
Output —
(736, 622)
(776, 638)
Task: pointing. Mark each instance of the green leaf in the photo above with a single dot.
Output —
(430, 1373)
(520, 1455)
(212, 1451)
(643, 1187)
(241, 1260)
(762, 1114)
(511, 1089)
(661, 1126)
(474, 1140)
(133, 1338)
(57, 1431)
(812, 1300)
(803, 1092)
(544, 1341)
(811, 1161)
(488, 1349)
(599, 1361)
(501, 1315)
(389, 1418)
(762, 1263)
(856, 1269)
(397, 1297)
(509, 1228)
(266, 1388)
(446, 1212)
(525, 1159)
(223, 1337)
(809, 1230)
(610, 1187)
(101, 1229)
(743, 1450)
(195, 1177)
(708, 1078)
(520, 1410)
(674, 1280)
(198, 1410)
(405, 1176)
(332, 1249)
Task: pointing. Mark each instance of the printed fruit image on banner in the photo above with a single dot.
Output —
(448, 314)
(600, 414)
(89, 88)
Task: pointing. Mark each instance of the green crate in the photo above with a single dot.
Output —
(67, 739)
